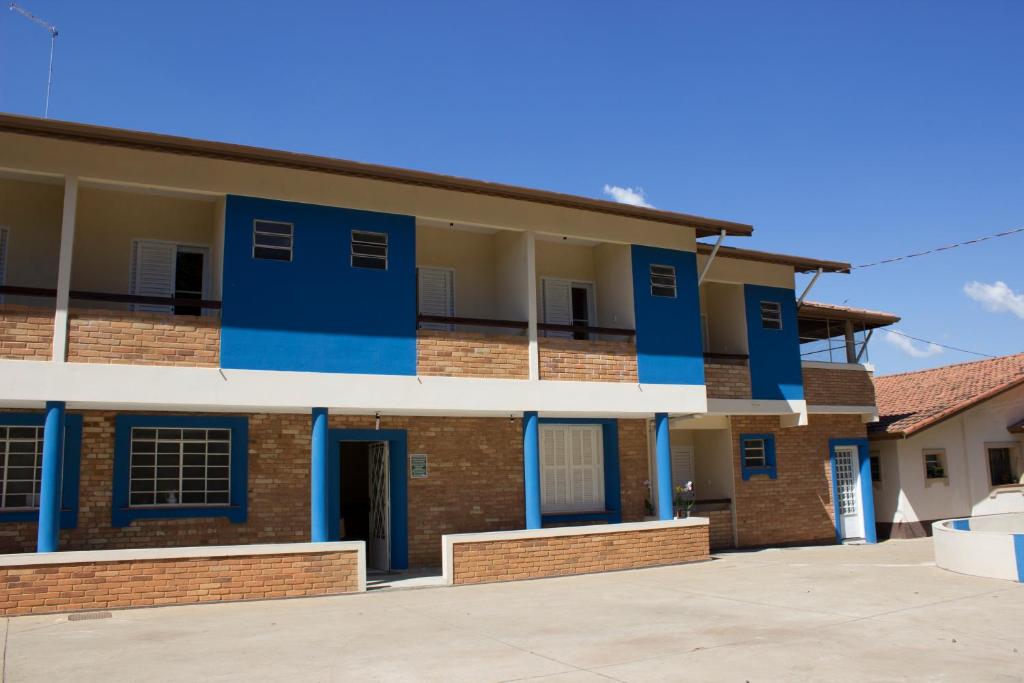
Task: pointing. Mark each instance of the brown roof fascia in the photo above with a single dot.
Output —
(117, 137)
(800, 264)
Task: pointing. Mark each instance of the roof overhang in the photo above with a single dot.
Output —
(155, 142)
(815, 320)
(799, 263)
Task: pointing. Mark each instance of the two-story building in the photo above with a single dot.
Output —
(209, 344)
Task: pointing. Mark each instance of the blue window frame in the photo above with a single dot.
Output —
(757, 455)
(612, 490)
(153, 429)
(69, 471)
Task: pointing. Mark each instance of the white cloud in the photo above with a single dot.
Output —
(996, 297)
(627, 195)
(907, 346)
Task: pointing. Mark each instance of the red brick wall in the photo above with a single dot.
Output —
(727, 380)
(797, 506)
(828, 387)
(125, 337)
(41, 589)
(26, 332)
(575, 360)
(534, 558)
(475, 483)
(465, 354)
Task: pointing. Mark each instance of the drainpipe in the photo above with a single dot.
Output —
(714, 252)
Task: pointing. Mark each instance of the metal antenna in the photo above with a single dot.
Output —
(52, 30)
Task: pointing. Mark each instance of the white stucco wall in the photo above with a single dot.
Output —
(966, 491)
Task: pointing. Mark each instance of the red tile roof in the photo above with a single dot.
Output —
(912, 401)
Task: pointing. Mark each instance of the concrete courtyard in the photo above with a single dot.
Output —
(880, 612)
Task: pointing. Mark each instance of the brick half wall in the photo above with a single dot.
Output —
(470, 354)
(838, 387)
(26, 332)
(126, 337)
(107, 579)
(727, 379)
(576, 360)
(517, 555)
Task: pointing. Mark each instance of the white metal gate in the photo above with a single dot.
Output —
(378, 548)
(851, 517)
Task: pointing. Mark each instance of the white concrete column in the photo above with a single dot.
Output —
(531, 313)
(67, 244)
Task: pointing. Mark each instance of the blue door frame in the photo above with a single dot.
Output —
(397, 483)
(867, 494)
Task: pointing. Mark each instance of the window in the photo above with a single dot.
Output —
(876, 468)
(166, 270)
(180, 466)
(436, 295)
(171, 466)
(21, 463)
(568, 303)
(935, 464)
(771, 315)
(1004, 465)
(572, 468)
(663, 281)
(272, 240)
(757, 455)
(369, 250)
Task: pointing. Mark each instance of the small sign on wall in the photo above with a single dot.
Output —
(418, 466)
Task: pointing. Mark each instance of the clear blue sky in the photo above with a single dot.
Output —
(850, 130)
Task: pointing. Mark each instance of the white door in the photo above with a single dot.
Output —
(848, 495)
(436, 295)
(568, 303)
(378, 548)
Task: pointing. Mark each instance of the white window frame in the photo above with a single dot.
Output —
(180, 247)
(451, 296)
(600, 503)
(352, 248)
(763, 448)
(940, 453)
(291, 239)
(1014, 449)
(181, 467)
(5, 453)
(591, 288)
(770, 322)
(673, 285)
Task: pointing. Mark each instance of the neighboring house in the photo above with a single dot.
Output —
(949, 443)
(252, 346)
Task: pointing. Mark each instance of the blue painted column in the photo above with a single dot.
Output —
(49, 489)
(319, 480)
(663, 465)
(531, 469)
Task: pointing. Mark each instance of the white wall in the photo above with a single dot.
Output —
(966, 491)
(713, 463)
(513, 300)
(725, 309)
(613, 266)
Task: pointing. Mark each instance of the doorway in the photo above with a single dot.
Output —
(364, 494)
(848, 491)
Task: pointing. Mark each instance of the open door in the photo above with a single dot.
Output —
(378, 546)
(850, 505)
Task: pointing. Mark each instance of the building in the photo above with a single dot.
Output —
(948, 444)
(251, 346)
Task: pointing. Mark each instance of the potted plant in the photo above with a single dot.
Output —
(682, 501)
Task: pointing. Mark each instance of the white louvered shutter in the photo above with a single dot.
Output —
(152, 272)
(682, 466)
(557, 301)
(572, 468)
(437, 295)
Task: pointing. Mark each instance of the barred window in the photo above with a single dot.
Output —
(173, 467)
(21, 463)
(771, 315)
(663, 281)
(754, 453)
(369, 250)
(272, 240)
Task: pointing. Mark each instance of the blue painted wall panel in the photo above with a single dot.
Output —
(775, 371)
(316, 312)
(669, 347)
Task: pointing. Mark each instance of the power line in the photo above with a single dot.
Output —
(951, 348)
(944, 248)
